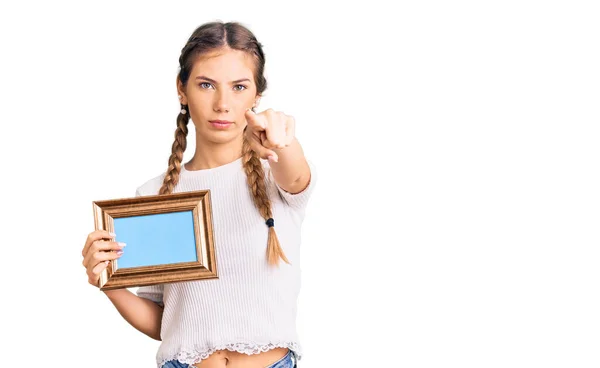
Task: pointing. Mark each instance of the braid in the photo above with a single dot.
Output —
(172, 175)
(258, 187)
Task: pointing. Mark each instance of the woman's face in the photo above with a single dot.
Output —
(221, 87)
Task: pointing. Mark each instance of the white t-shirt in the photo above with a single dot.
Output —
(252, 306)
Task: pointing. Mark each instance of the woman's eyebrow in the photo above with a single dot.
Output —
(215, 82)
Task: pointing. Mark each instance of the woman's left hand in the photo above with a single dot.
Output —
(269, 130)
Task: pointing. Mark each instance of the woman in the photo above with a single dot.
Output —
(258, 176)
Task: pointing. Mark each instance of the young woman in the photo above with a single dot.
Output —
(260, 181)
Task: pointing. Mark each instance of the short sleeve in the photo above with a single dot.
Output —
(298, 201)
(152, 292)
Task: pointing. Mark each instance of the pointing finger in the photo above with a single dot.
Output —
(254, 120)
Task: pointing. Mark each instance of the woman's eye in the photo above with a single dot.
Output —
(203, 84)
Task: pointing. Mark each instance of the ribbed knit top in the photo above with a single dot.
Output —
(252, 306)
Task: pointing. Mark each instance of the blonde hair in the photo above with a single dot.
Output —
(209, 37)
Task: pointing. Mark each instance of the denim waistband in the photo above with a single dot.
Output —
(288, 361)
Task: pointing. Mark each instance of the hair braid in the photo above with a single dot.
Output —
(172, 176)
(256, 183)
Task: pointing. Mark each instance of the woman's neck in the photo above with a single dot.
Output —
(208, 156)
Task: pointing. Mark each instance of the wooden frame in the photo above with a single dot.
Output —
(148, 225)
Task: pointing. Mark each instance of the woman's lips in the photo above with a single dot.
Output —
(220, 124)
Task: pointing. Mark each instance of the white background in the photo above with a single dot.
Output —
(455, 223)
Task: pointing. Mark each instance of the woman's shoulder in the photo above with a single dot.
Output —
(150, 186)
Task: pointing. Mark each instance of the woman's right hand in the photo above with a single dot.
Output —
(97, 252)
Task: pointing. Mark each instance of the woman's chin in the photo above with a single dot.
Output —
(220, 136)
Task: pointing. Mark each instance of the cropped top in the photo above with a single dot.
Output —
(252, 306)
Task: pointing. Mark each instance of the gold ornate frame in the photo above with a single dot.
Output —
(113, 277)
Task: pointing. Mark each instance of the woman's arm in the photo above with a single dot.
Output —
(291, 172)
(143, 314)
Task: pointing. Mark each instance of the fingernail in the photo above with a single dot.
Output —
(273, 158)
(119, 252)
(121, 244)
(113, 234)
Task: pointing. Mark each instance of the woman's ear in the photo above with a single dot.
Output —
(180, 93)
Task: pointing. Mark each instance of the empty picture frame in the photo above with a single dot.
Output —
(169, 238)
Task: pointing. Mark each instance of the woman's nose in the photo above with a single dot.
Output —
(221, 103)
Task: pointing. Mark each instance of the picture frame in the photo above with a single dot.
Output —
(169, 238)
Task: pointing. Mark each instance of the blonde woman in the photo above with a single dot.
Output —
(260, 184)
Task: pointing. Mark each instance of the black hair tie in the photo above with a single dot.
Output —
(270, 222)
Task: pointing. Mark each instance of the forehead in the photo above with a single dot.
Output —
(223, 65)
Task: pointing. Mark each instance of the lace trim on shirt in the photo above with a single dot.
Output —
(196, 355)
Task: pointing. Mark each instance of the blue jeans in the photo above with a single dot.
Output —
(288, 361)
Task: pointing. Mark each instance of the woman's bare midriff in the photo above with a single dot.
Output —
(233, 359)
